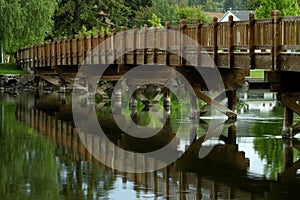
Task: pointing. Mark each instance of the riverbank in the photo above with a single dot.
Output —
(14, 83)
(11, 68)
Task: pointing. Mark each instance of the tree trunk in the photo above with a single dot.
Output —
(1, 52)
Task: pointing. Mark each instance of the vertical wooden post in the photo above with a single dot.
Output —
(193, 129)
(232, 103)
(76, 45)
(114, 32)
(39, 54)
(251, 40)
(45, 53)
(215, 40)
(167, 100)
(69, 136)
(134, 45)
(230, 43)
(124, 45)
(199, 41)
(166, 177)
(155, 182)
(297, 24)
(59, 57)
(232, 100)
(275, 51)
(105, 47)
(154, 51)
(288, 154)
(35, 54)
(232, 131)
(182, 185)
(167, 38)
(67, 51)
(64, 51)
(54, 53)
(30, 56)
(83, 50)
(90, 49)
(74, 141)
(145, 44)
(118, 101)
(70, 51)
(288, 122)
(198, 187)
(183, 42)
(98, 48)
(193, 107)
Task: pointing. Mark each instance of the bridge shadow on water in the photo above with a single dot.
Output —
(222, 174)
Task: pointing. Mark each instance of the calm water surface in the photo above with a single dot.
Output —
(43, 158)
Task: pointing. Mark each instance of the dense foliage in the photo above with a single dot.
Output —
(286, 7)
(74, 15)
(25, 21)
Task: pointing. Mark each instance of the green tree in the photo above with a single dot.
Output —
(212, 6)
(191, 14)
(253, 4)
(75, 15)
(163, 9)
(196, 2)
(169, 10)
(286, 7)
(135, 5)
(235, 4)
(24, 21)
(155, 20)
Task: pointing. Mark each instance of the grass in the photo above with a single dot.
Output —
(11, 68)
(257, 73)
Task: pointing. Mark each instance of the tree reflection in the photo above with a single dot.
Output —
(28, 167)
(267, 145)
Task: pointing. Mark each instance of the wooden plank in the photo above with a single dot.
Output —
(206, 108)
(296, 128)
(50, 80)
(290, 62)
(291, 103)
(223, 109)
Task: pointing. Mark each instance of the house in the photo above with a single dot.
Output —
(238, 15)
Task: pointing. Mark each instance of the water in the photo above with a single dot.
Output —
(42, 157)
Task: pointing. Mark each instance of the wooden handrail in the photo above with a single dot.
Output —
(262, 41)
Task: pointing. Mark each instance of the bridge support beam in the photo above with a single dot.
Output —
(291, 106)
(232, 100)
(218, 106)
(62, 87)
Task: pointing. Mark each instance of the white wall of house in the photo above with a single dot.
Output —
(225, 18)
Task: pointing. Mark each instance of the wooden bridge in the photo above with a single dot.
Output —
(271, 44)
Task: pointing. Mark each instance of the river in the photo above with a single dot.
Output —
(42, 157)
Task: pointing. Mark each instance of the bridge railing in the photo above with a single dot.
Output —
(255, 43)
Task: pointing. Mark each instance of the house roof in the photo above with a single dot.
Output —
(237, 14)
(214, 14)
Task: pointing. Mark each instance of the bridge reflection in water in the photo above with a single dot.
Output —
(222, 174)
